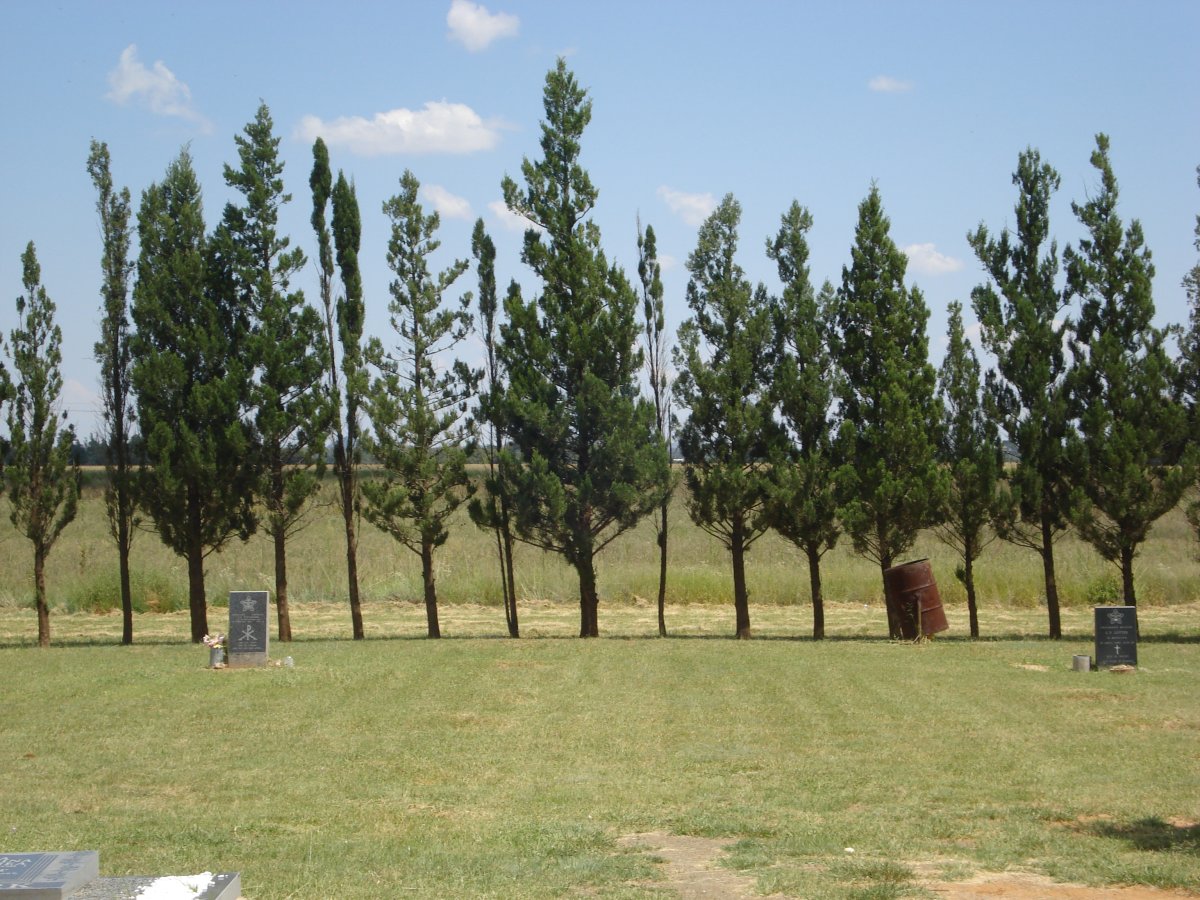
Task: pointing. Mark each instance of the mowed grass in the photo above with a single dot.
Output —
(484, 767)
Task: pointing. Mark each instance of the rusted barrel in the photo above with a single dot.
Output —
(915, 595)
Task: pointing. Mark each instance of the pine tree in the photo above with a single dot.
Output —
(890, 484)
(589, 463)
(42, 481)
(286, 347)
(346, 383)
(804, 498)
(1019, 314)
(1189, 362)
(1126, 459)
(418, 404)
(730, 433)
(495, 510)
(112, 352)
(192, 380)
(969, 447)
(655, 336)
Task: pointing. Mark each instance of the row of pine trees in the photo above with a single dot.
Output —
(815, 412)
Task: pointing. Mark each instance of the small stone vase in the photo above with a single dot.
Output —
(216, 657)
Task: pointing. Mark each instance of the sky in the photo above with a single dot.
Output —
(931, 100)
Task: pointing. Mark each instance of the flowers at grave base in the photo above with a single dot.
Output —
(214, 642)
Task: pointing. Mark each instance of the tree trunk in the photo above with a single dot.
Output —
(1051, 584)
(895, 626)
(662, 570)
(741, 597)
(589, 622)
(503, 579)
(281, 586)
(431, 610)
(39, 592)
(969, 584)
(197, 604)
(814, 586)
(1127, 576)
(123, 542)
(351, 552)
(514, 626)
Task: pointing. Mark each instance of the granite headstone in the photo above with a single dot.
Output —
(46, 876)
(1116, 636)
(248, 634)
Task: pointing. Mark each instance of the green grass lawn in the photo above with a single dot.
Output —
(477, 766)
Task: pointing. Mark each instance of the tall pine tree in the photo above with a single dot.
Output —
(1126, 459)
(589, 462)
(1021, 323)
(657, 372)
(42, 481)
(112, 352)
(192, 378)
(286, 347)
(1189, 362)
(890, 484)
(730, 434)
(494, 510)
(418, 404)
(804, 497)
(969, 447)
(346, 378)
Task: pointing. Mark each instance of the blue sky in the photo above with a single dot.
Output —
(772, 101)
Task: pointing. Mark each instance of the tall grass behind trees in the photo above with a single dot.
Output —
(84, 570)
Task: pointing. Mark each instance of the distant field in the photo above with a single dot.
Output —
(82, 571)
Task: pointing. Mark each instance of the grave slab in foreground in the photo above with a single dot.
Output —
(75, 876)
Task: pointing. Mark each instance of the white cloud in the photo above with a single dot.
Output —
(926, 259)
(886, 84)
(667, 262)
(156, 88)
(509, 219)
(474, 27)
(692, 208)
(448, 205)
(440, 127)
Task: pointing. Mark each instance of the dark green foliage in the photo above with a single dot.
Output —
(346, 383)
(285, 346)
(1019, 315)
(969, 447)
(417, 404)
(725, 349)
(655, 334)
(804, 506)
(890, 484)
(42, 482)
(112, 352)
(191, 377)
(1125, 460)
(494, 510)
(1189, 363)
(589, 463)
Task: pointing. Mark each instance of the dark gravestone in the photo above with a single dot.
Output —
(248, 617)
(46, 876)
(1116, 636)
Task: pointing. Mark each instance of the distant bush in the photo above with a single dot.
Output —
(101, 593)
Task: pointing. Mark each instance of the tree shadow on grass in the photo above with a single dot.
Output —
(1153, 834)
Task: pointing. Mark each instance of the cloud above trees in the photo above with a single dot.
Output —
(439, 127)
(156, 89)
(447, 205)
(927, 260)
(886, 84)
(692, 208)
(475, 28)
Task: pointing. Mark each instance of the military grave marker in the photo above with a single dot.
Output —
(248, 628)
(1116, 636)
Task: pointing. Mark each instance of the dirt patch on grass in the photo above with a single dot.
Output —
(1026, 886)
(690, 864)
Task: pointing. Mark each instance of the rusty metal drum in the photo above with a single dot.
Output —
(915, 595)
